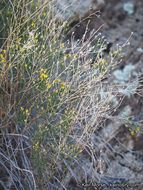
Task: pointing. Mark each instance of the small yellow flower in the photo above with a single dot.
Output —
(27, 111)
(70, 55)
(115, 52)
(59, 80)
(1, 55)
(64, 84)
(63, 64)
(49, 86)
(32, 24)
(44, 150)
(25, 120)
(44, 14)
(21, 49)
(3, 61)
(45, 76)
(63, 46)
(132, 132)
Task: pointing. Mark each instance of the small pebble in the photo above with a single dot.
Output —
(140, 50)
(129, 7)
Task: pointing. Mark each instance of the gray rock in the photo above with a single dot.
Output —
(125, 74)
(75, 9)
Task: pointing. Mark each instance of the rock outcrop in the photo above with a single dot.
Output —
(76, 9)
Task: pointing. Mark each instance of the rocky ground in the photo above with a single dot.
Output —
(121, 152)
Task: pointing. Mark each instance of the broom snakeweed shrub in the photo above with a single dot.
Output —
(49, 93)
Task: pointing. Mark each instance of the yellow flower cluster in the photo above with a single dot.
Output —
(67, 150)
(104, 62)
(133, 128)
(26, 113)
(2, 58)
(63, 85)
(36, 146)
(65, 57)
(43, 74)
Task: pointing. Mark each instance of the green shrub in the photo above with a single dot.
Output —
(44, 82)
